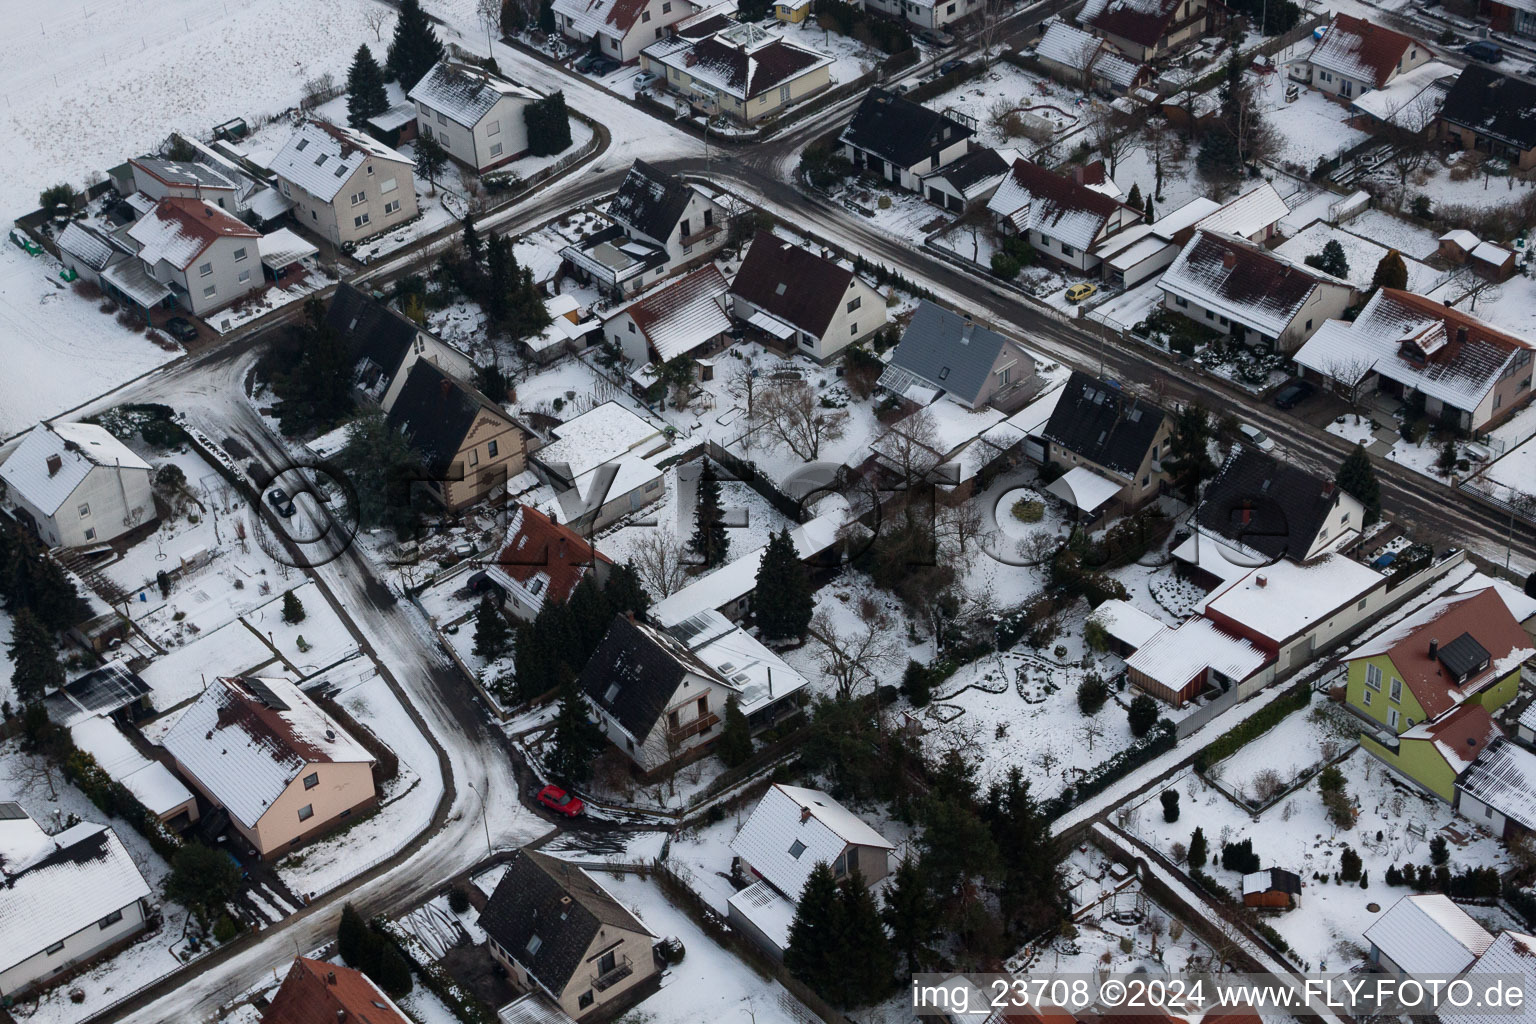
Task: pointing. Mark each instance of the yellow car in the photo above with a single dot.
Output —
(1079, 292)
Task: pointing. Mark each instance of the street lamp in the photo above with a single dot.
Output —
(488, 851)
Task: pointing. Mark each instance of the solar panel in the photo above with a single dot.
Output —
(107, 688)
(262, 692)
(11, 811)
(691, 627)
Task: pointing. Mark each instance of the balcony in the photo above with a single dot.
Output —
(607, 979)
(682, 733)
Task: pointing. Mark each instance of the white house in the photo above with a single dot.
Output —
(345, 186)
(901, 141)
(198, 255)
(684, 317)
(930, 14)
(619, 28)
(804, 298)
(475, 116)
(78, 484)
(1061, 217)
(602, 465)
(63, 898)
(1355, 56)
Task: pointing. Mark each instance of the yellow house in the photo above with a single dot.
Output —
(740, 72)
(1427, 686)
(469, 446)
(794, 12)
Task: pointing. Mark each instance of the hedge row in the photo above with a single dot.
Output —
(1160, 740)
(1254, 726)
(113, 798)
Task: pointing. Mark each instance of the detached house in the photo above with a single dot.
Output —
(602, 465)
(1235, 287)
(1426, 686)
(1146, 30)
(385, 345)
(944, 353)
(64, 898)
(1354, 56)
(76, 484)
(558, 932)
(804, 299)
(1472, 375)
(684, 317)
(346, 186)
(901, 141)
(1080, 58)
(469, 446)
(1063, 218)
(320, 992)
(280, 767)
(740, 71)
(159, 179)
(1277, 509)
(661, 224)
(790, 831)
(1489, 112)
(1109, 444)
(477, 117)
(929, 14)
(541, 563)
(195, 255)
(619, 28)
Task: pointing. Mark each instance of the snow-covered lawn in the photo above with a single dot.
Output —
(1510, 305)
(1395, 233)
(1296, 834)
(1022, 90)
(1362, 254)
(313, 280)
(1302, 742)
(1515, 472)
(1308, 130)
(897, 212)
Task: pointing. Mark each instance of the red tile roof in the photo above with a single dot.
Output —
(1462, 735)
(1141, 21)
(538, 545)
(1355, 44)
(315, 992)
(1455, 320)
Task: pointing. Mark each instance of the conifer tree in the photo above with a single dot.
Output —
(549, 126)
(547, 17)
(431, 158)
(474, 248)
(736, 736)
(1134, 199)
(366, 95)
(815, 950)
(868, 963)
(910, 912)
(709, 540)
(782, 603)
(1199, 849)
(293, 608)
(34, 655)
(352, 937)
(415, 46)
(1391, 272)
(1357, 477)
(492, 633)
(576, 740)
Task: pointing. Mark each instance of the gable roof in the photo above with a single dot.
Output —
(635, 672)
(546, 912)
(371, 330)
(740, 60)
(683, 315)
(321, 157)
(436, 410)
(650, 202)
(1482, 615)
(1273, 507)
(1103, 424)
(610, 17)
(1492, 104)
(792, 829)
(1242, 281)
(1141, 21)
(246, 739)
(53, 886)
(465, 93)
(1034, 198)
(1272, 880)
(1249, 213)
(792, 282)
(87, 245)
(899, 130)
(180, 229)
(1510, 953)
(974, 172)
(183, 173)
(1357, 49)
(318, 992)
(1428, 934)
(79, 447)
(945, 351)
(602, 434)
(1072, 47)
(542, 558)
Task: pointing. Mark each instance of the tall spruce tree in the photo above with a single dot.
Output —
(549, 126)
(34, 654)
(782, 603)
(474, 247)
(1357, 478)
(30, 579)
(576, 741)
(736, 737)
(431, 158)
(1032, 896)
(815, 953)
(910, 912)
(868, 962)
(366, 95)
(1391, 272)
(492, 634)
(1189, 455)
(709, 540)
(415, 47)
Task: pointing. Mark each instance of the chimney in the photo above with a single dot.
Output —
(341, 1015)
(805, 815)
(54, 464)
(1434, 648)
(447, 387)
(330, 977)
(1261, 580)
(1229, 259)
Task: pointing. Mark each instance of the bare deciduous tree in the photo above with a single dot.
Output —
(849, 656)
(1112, 133)
(958, 526)
(375, 19)
(910, 447)
(1351, 376)
(794, 417)
(661, 559)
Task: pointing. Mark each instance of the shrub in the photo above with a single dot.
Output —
(1170, 799)
(1005, 266)
(1349, 865)
(1092, 692)
(1256, 725)
(1028, 510)
(1240, 857)
(1439, 851)
(458, 899)
(1142, 714)
(225, 928)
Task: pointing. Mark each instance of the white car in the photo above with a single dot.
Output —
(1256, 437)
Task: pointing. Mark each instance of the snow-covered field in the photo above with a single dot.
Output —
(1308, 130)
(1002, 81)
(1362, 254)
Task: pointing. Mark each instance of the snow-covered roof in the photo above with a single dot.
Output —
(1028, 421)
(132, 279)
(759, 677)
(1186, 216)
(245, 740)
(1462, 239)
(683, 315)
(1248, 214)
(1464, 356)
(1242, 281)
(1034, 198)
(1083, 488)
(87, 245)
(150, 781)
(562, 327)
(1428, 934)
(792, 829)
(612, 18)
(1360, 50)
(1285, 599)
(1511, 953)
(320, 157)
(282, 248)
(1173, 657)
(184, 173)
(465, 92)
(742, 61)
(1493, 252)
(597, 436)
(1412, 99)
(78, 447)
(55, 886)
(179, 230)
(1504, 778)
(269, 204)
(1126, 622)
(1068, 45)
(769, 912)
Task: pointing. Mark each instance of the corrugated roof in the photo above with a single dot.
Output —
(1510, 953)
(792, 829)
(464, 92)
(320, 158)
(87, 245)
(183, 173)
(179, 230)
(1175, 656)
(1504, 778)
(79, 447)
(1248, 214)
(1428, 934)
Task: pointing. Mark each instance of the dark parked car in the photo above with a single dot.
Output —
(1483, 50)
(605, 66)
(1292, 394)
(585, 63)
(280, 502)
(951, 66)
(180, 328)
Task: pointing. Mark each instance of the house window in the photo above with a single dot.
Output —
(205, 270)
(491, 449)
(607, 962)
(54, 948)
(359, 197)
(85, 510)
(1309, 325)
(110, 920)
(687, 250)
(474, 456)
(306, 812)
(645, 16)
(387, 186)
(1179, 300)
(311, 780)
(370, 168)
(673, 720)
(1067, 250)
(533, 945)
(1003, 376)
(1367, 698)
(784, 94)
(1396, 693)
(245, 275)
(853, 305)
(360, 220)
(494, 128)
(584, 1000)
(426, 130)
(442, 118)
(240, 254)
(686, 230)
(1373, 676)
(796, 849)
(853, 328)
(495, 149)
(393, 206)
(704, 705)
(1361, 606)
(209, 291)
(445, 141)
(90, 533)
(1392, 718)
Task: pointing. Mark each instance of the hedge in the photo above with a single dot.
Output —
(464, 1004)
(1254, 726)
(113, 798)
(1213, 888)
(1161, 739)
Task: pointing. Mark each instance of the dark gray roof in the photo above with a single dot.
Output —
(436, 411)
(558, 904)
(1274, 507)
(1492, 104)
(945, 350)
(650, 202)
(1281, 880)
(976, 166)
(370, 330)
(791, 282)
(1463, 656)
(896, 129)
(635, 672)
(1103, 424)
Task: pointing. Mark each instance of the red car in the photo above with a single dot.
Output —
(561, 802)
